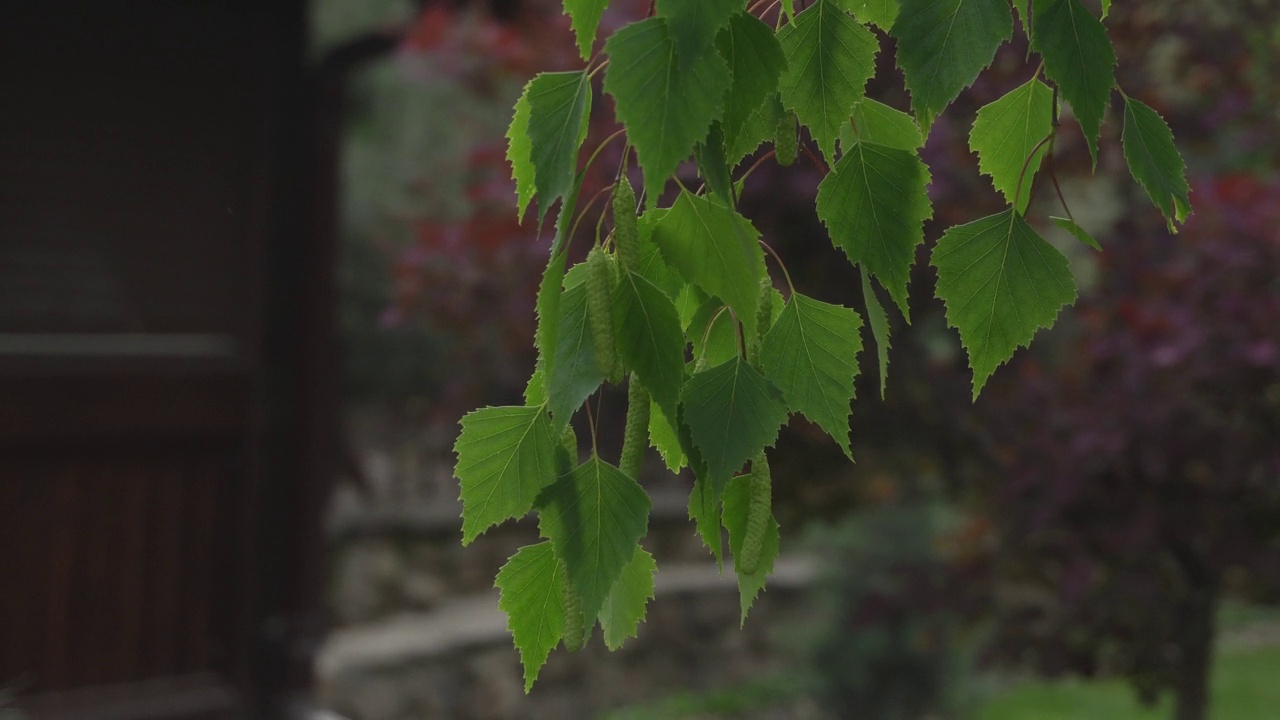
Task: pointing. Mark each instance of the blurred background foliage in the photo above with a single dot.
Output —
(1091, 514)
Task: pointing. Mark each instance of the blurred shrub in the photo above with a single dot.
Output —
(1138, 473)
(890, 636)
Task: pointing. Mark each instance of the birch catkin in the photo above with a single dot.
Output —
(600, 283)
(635, 437)
(784, 140)
(759, 511)
(625, 233)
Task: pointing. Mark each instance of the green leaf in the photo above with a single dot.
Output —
(520, 152)
(584, 16)
(704, 499)
(652, 265)
(733, 412)
(594, 516)
(737, 497)
(777, 304)
(1106, 8)
(758, 128)
(879, 322)
(688, 302)
(1077, 232)
(875, 122)
(755, 58)
(1078, 57)
(874, 204)
(624, 608)
(559, 106)
(944, 44)
(535, 391)
(575, 276)
(1006, 133)
(666, 107)
(575, 374)
(664, 439)
(547, 305)
(880, 13)
(716, 249)
(713, 166)
(704, 511)
(1023, 17)
(693, 24)
(811, 355)
(1154, 161)
(830, 57)
(506, 455)
(713, 333)
(1001, 282)
(530, 596)
(650, 339)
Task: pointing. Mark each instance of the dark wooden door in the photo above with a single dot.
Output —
(149, 174)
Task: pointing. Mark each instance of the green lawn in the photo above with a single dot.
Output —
(1246, 686)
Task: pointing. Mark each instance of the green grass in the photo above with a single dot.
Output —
(1070, 700)
(736, 701)
(1245, 686)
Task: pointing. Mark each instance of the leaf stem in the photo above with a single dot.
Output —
(755, 165)
(590, 161)
(1053, 177)
(787, 275)
(739, 334)
(600, 147)
(600, 222)
(706, 335)
(822, 167)
(622, 164)
(591, 421)
(574, 230)
(1055, 107)
(764, 12)
(1017, 193)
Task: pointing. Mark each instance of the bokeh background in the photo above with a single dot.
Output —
(1106, 510)
(259, 258)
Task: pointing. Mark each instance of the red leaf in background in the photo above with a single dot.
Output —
(430, 29)
(490, 232)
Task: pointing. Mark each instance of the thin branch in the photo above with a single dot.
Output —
(1017, 193)
(591, 421)
(755, 165)
(786, 275)
(594, 198)
(822, 167)
(1053, 177)
(706, 335)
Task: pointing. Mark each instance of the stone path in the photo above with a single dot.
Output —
(475, 621)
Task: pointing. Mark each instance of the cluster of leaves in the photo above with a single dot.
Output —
(716, 357)
(1140, 467)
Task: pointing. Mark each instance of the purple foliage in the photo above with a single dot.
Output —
(1142, 465)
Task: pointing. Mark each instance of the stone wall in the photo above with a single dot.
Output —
(418, 634)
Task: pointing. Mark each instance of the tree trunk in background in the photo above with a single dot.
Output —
(1196, 646)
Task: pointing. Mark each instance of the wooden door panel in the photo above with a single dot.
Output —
(123, 558)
